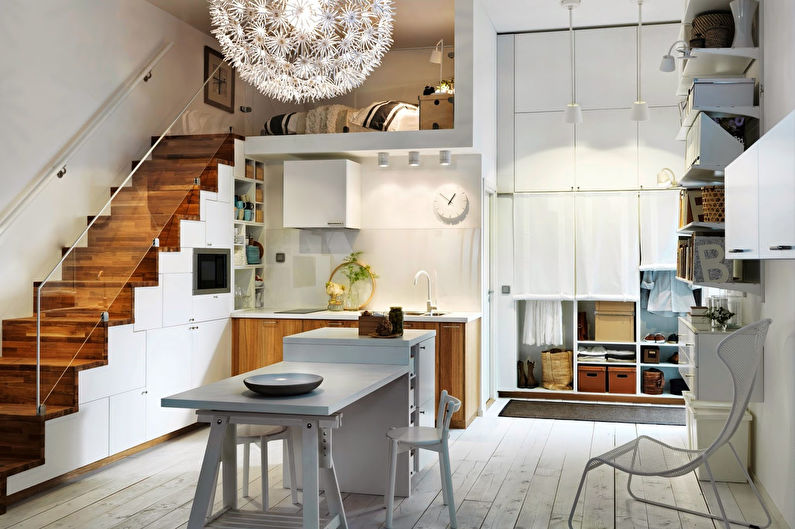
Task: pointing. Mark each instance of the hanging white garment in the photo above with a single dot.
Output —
(667, 296)
(543, 323)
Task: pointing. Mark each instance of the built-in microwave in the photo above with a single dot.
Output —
(211, 272)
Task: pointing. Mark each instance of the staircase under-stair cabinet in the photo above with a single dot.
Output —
(95, 294)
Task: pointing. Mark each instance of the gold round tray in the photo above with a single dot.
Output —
(372, 283)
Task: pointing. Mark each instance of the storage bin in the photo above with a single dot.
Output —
(614, 321)
(716, 26)
(556, 369)
(592, 379)
(652, 382)
(713, 200)
(436, 111)
(725, 92)
(650, 355)
(621, 379)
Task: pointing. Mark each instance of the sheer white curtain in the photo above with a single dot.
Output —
(607, 255)
(659, 218)
(544, 246)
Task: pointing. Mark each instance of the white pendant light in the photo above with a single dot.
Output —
(640, 110)
(437, 58)
(573, 112)
(303, 50)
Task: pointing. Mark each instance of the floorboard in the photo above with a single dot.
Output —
(507, 473)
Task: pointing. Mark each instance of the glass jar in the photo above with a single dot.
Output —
(396, 319)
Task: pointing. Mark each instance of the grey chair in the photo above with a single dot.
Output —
(426, 438)
(741, 351)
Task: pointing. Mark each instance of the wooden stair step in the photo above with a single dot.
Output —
(58, 382)
(78, 364)
(60, 338)
(196, 145)
(11, 466)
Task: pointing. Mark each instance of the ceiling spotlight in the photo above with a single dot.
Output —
(445, 158)
(414, 158)
(383, 159)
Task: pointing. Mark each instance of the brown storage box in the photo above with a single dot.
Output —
(621, 379)
(614, 326)
(650, 355)
(622, 307)
(592, 379)
(436, 111)
(652, 381)
(259, 174)
(250, 169)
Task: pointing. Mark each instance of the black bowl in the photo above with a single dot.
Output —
(283, 384)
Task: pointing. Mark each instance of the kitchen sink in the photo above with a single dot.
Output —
(421, 313)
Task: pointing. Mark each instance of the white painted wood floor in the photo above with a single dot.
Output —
(507, 473)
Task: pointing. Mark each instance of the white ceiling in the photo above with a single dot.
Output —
(418, 23)
(533, 15)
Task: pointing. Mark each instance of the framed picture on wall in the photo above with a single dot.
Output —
(220, 91)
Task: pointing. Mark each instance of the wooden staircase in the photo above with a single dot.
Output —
(118, 256)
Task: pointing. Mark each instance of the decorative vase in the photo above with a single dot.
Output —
(743, 12)
(352, 299)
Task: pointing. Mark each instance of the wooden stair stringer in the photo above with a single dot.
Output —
(21, 429)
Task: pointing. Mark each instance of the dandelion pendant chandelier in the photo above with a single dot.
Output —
(303, 50)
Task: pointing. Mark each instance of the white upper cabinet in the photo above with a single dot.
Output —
(544, 152)
(605, 64)
(219, 229)
(607, 150)
(742, 205)
(505, 113)
(658, 88)
(543, 72)
(777, 191)
(657, 146)
(322, 194)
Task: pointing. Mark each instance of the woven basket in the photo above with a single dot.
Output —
(717, 27)
(653, 381)
(556, 369)
(714, 203)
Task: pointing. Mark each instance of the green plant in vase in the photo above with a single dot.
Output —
(720, 316)
(355, 272)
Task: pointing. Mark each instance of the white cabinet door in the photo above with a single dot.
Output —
(126, 368)
(168, 371)
(605, 68)
(658, 148)
(742, 205)
(544, 152)
(543, 72)
(658, 88)
(149, 303)
(218, 224)
(607, 150)
(777, 191)
(209, 307)
(177, 299)
(226, 176)
(127, 420)
(322, 194)
(212, 352)
(505, 112)
(192, 234)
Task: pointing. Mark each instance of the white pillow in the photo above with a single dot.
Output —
(388, 116)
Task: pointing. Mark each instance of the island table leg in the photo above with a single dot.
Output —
(208, 476)
(309, 465)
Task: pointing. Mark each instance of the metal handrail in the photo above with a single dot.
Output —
(58, 167)
(40, 408)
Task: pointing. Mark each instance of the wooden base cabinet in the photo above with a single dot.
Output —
(257, 342)
(457, 365)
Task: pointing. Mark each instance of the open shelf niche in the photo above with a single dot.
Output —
(249, 188)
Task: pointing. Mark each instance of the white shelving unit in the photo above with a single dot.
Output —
(251, 184)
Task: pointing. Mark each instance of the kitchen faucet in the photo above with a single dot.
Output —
(429, 306)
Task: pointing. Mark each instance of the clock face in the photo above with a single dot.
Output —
(451, 203)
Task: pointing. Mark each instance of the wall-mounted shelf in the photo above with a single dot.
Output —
(695, 227)
(716, 62)
(702, 175)
(690, 117)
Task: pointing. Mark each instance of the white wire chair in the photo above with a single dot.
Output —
(741, 351)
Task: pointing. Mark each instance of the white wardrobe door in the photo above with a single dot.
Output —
(607, 150)
(659, 215)
(543, 71)
(544, 246)
(607, 246)
(544, 152)
(657, 146)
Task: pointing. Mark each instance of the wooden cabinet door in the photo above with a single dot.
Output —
(450, 348)
(309, 325)
(257, 342)
(284, 328)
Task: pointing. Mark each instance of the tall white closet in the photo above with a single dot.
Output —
(570, 219)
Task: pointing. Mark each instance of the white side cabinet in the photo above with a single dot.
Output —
(180, 306)
(168, 371)
(322, 194)
(760, 190)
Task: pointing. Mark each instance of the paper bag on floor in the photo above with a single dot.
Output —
(556, 369)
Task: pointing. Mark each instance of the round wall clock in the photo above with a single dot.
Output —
(451, 203)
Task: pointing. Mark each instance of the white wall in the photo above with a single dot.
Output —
(62, 60)
(400, 234)
(774, 425)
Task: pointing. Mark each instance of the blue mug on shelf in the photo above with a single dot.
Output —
(248, 214)
(252, 255)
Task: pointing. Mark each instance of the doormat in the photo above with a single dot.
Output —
(581, 411)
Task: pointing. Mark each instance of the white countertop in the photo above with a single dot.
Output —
(342, 385)
(448, 317)
(350, 337)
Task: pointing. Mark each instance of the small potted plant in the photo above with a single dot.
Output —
(720, 317)
(355, 272)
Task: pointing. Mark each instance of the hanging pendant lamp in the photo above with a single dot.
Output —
(303, 50)
(573, 112)
(640, 110)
